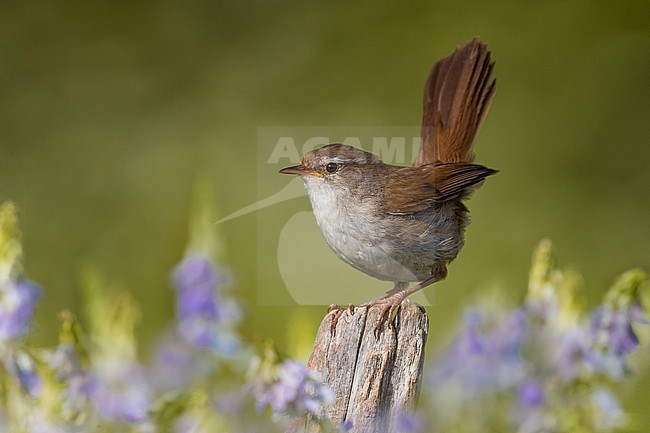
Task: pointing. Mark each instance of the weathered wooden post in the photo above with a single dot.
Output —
(375, 378)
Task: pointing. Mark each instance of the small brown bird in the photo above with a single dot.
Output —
(405, 224)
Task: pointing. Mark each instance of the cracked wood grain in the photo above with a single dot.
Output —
(375, 377)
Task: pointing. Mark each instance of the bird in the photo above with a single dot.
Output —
(405, 224)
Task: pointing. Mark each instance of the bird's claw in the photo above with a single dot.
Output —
(388, 307)
(386, 314)
(338, 311)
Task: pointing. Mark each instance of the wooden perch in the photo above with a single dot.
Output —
(375, 378)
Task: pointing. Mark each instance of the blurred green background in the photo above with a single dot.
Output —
(110, 111)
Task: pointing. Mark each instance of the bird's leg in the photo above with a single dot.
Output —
(398, 287)
(394, 297)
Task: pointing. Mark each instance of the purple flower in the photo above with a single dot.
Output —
(204, 317)
(345, 426)
(74, 397)
(65, 362)
(21, 366)
(17, 301)
(470, 339)
(614, 336)
(485, 354)
(178, 364)
(119, 391)
(295, 391)
(197, 271)
(197, 282)
(637, 313)
(575, 357)
(409, 423)
(30, 381)
(613, 328)
(229, 401)
(531, 394)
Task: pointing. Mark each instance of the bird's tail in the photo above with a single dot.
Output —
(457, 97)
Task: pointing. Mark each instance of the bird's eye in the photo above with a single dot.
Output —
(331, 167)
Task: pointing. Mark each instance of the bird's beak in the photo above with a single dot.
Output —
(300, 170)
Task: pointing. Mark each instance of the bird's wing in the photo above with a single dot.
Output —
(412, 189)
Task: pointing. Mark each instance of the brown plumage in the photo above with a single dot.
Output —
(406, 224)
(421, 187)
(457, 96)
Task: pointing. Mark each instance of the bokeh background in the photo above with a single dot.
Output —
(111, 111)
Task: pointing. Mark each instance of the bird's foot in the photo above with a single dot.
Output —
(337, 310)
(389, 304)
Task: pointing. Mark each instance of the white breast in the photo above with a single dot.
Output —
(354, 233)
